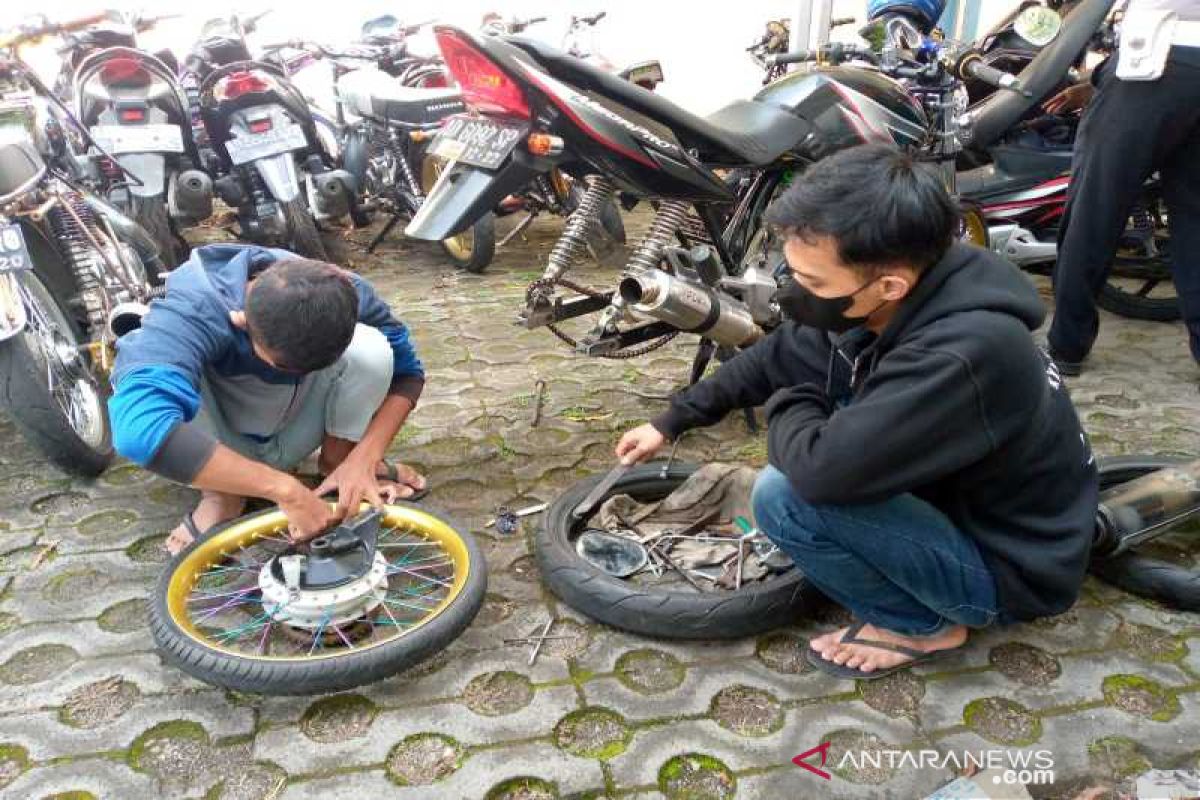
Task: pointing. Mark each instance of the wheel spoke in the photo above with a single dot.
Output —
(1147, 288)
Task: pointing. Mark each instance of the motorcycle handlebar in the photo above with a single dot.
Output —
(47, 28)
(518, 25)
(792, 58)
(592, 20)
(971, 66)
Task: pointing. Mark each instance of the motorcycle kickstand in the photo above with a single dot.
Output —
(383, 232)
(518, 230)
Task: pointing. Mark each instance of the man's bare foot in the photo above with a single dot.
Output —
(407, 481)
(868, 658)
(213, 509)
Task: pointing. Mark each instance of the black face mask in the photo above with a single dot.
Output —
(825, 313)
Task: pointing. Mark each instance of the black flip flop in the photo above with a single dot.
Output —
(854, 673)
(393, 475)
(189, 524)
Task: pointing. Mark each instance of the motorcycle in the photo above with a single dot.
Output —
(74, 271)
(537, 108)
(272, 165)
(135, 107)
(383, 129)
(1014, 179)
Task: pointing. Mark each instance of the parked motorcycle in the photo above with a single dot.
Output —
(135, 107)
(537, 108)
(272, 165)
(74, 271)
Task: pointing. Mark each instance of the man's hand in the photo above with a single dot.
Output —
(308, 515)
(1070, 99)
(355, 481)
(640, 444)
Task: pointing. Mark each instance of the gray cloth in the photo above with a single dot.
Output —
(724, 488)
(281, 424)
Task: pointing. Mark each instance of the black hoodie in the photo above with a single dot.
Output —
(953, 402)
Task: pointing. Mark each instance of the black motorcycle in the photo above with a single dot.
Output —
(270, 162)
(74, 271)
(707, 263)
(136, 109)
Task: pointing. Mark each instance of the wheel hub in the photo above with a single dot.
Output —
(319, 608)
(339, 579)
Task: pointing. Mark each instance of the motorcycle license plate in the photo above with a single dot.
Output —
(14, 256)
(121, 139)
(245, 148)
(478, 141)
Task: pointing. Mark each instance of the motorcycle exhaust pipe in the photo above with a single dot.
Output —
(333, 190)
(191, 196)
(1141, 509)
(690, 307)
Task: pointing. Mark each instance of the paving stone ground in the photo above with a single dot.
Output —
(87, 707)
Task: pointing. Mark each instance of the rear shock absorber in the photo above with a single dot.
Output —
(87, 265)
(649, 251)
(571, 247)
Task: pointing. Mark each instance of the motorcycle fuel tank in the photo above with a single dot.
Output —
(848, 106)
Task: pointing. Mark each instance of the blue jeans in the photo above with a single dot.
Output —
(899, 564)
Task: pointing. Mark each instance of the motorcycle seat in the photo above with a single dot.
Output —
(373, 93)
(1031, 162)
(743, 132)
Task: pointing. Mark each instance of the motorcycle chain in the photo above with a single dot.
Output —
(619, 355)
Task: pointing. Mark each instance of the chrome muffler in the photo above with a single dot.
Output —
(691, 307)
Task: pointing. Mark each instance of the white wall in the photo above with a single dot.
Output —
(701, 45)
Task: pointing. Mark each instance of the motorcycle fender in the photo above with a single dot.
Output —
(12, 308)
(279, 174)
(150, 169)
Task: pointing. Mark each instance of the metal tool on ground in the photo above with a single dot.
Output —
(519, 513)
(748, 532)
(539, 640)
(539, 400)
(589, 503)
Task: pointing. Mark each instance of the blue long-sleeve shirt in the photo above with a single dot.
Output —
(188, 332)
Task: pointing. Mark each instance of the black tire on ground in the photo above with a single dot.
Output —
(757, 607)
(610, 220)
(280, 676)
(26, 397)
(151, 214)
(303, 236)
(1129, 304)
(1165, 582)
(483, 246)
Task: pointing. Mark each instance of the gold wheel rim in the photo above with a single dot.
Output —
(974, 229)
(404, 529)
(461, 246)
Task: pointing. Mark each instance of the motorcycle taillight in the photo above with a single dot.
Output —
(236, 84)
(124, 72)
(485, 88)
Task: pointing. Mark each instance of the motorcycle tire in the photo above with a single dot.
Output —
(333, 668)
(1170, 584)
(303, 236)
(26, 397)
(1134, 306)
(755, 608)
(151, 214)
(474, 248)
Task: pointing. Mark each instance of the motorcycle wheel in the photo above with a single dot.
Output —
(68, 422)
(207, 613)
(671, 610)
(151, 214)
(1142, 265)
(474, 248)
(303, 236)
(1165, 582)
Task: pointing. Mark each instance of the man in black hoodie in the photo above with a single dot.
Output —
(927, 469)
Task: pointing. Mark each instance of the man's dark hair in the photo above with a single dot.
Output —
(303, 313)
(879, 206)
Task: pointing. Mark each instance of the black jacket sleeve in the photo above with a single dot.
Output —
(920, 416)
(786, 357)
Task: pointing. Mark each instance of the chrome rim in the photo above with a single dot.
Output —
(67, 378)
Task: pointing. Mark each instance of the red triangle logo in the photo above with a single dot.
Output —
(823, 749)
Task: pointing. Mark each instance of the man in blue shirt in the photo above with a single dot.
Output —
(252, 360)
